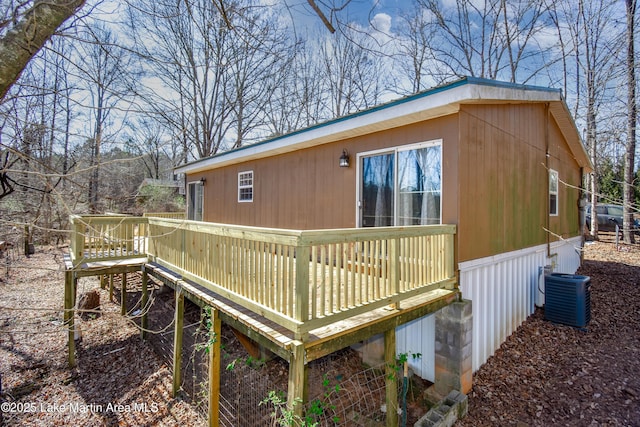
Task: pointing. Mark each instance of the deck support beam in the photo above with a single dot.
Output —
(144, 320)
(214, 368)
(123, 295)
(177, 341)
(392, 377)
(297, 390)
(69, 313)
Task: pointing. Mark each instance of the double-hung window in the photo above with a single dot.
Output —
(245, 186)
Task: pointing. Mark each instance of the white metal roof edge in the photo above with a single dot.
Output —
(430, 104)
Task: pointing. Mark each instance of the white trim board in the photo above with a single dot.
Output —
(495, 259)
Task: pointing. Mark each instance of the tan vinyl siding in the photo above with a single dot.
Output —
(494, 184)
(307, 189)
(503, 180)
(562, 160)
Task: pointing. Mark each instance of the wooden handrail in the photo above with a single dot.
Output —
(301, 279)
(171, 215)
(109, 237)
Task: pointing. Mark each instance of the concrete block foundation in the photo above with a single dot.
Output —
(454, 326)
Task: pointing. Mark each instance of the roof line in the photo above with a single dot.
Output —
(429, 92)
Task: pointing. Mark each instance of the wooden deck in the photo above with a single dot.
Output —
(300, 294)
(321, 341)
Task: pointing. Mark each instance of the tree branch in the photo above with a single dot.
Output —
(322, 16)
(29, 35)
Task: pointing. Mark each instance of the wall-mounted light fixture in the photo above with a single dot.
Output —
(203, 180)
(344, 159)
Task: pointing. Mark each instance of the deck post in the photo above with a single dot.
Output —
(145, 300)
(69, 284)
(123, 295)
(78, 236)
(214, 368)
(392, 376)
(103, 281)
(297, 390)
(394, 270)
(302, 284)
(111, 287)
(177, 340)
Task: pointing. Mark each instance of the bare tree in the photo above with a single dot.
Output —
(632, 119)
(600, 44)
(416, 37)
(261, 52)
(590, 43)
(105, 70)
(296, 101)
(30, 129)
(566, 43)
(152, 143)
(350, 73)
(215, 71)
(491, 39)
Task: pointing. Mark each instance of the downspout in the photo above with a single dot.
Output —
(546, 167)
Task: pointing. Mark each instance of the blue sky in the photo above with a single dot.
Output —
(361, 12)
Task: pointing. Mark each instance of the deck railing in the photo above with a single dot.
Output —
(302, 280)
(170, 215)
(106, 238)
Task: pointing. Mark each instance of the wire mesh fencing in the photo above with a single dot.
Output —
(341, 391)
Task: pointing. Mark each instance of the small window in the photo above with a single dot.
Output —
(195, 200)
(553, 192)
(245, 186)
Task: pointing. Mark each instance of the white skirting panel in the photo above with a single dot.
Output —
(568, 260)
(503, 289)
(419, 337)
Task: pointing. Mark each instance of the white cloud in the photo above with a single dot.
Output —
(381, 22)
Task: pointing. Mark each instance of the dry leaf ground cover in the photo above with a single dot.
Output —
(119, 379)
(545, 374)
(549, 375)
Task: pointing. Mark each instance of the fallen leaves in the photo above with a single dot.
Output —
(567, 376)
(119, 379)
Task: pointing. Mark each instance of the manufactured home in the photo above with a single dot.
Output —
(501, 162)
(428, 221)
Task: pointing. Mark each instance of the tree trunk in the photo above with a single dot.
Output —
(28, 36)
(632, 114)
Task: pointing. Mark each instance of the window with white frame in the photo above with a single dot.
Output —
(245, 186)
(553, 192)
(401, 185)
